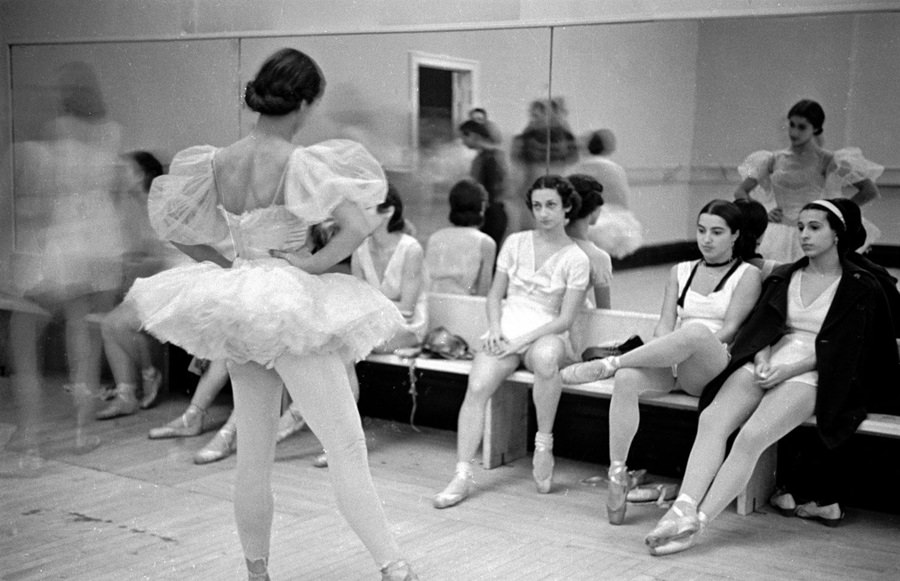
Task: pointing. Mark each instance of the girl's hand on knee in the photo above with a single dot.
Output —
(495, 343)
(510, 348)
(768, 377)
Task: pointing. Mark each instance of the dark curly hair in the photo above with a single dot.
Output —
(571, 201)
(286, 80)
(811, 111)
(590, 192)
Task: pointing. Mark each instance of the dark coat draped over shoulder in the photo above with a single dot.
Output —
(855, 349)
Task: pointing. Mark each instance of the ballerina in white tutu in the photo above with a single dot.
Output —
(804, 172)
(272, 314)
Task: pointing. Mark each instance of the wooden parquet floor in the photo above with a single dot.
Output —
(137, 509)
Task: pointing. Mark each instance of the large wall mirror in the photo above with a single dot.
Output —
(687, 100)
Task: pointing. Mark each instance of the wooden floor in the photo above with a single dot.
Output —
(140, 509)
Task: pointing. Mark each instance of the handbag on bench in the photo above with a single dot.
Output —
(601, 351)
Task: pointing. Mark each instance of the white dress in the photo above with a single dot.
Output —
(392, 282)
(535, 293)
(790, 183)
(262, 308)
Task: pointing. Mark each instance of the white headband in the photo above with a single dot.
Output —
(832, 208)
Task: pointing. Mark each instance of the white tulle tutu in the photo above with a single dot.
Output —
(262, 309)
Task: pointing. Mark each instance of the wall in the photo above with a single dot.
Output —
(655, 153)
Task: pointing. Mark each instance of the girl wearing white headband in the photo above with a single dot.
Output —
(798, 353)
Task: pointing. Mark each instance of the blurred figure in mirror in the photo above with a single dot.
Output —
(616, 229)
(490, 170)
(68, 260)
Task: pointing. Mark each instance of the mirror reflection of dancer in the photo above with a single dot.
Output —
(70, 260)
(271, 314)
(802, 173)
(543, 274)
(705, 302)
(818, 340)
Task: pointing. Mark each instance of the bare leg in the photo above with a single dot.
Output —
(319, 385)
(119, 328)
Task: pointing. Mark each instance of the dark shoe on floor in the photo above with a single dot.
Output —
(829, 515)
(783, 501)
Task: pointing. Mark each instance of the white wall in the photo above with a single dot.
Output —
(663, 65)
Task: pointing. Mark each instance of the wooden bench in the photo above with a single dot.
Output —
(506, 419)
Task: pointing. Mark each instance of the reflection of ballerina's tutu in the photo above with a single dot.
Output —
(80, 249)
(616, 231)
(262, 309)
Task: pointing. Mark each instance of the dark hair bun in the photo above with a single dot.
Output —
(266, 102)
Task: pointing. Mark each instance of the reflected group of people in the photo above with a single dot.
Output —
(778, 319)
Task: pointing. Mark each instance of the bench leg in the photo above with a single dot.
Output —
(505, 427)
(762, 483)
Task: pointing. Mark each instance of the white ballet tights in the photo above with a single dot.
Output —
(319, 387)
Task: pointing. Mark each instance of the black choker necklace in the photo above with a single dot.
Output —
(715, 264)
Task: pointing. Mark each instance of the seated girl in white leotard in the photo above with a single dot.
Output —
(705, 302)
(543, 275)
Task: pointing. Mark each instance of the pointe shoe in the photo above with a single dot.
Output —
(783, 501)
(290, 422)
(457, 491)
(658, 493)
(222, 445)
(617, 494)
(124, 404)
(684, 543)
(679, 521)
(588, 371)
(829, 515)
(190, 423)
(321, 461)
(542, 464)
(258, 569)
(151, 382)
(398, 571)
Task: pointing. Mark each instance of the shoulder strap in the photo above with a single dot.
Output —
(728, 274)
(687, 285)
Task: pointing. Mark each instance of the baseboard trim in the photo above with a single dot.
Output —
(671, 252)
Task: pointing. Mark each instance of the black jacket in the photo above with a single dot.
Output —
(855, 348)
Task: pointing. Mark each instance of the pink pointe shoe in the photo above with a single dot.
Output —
(222, 445)
(151, 381)
(677, 545)
(542, 462)
(290, 422)
(680, 521)
(458, 490)
(398, 571)
(620, 484)
(588, 371)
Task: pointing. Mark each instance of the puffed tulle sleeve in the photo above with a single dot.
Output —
(183, 204)
(759, 166)
(850, 167)
(324, 175)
